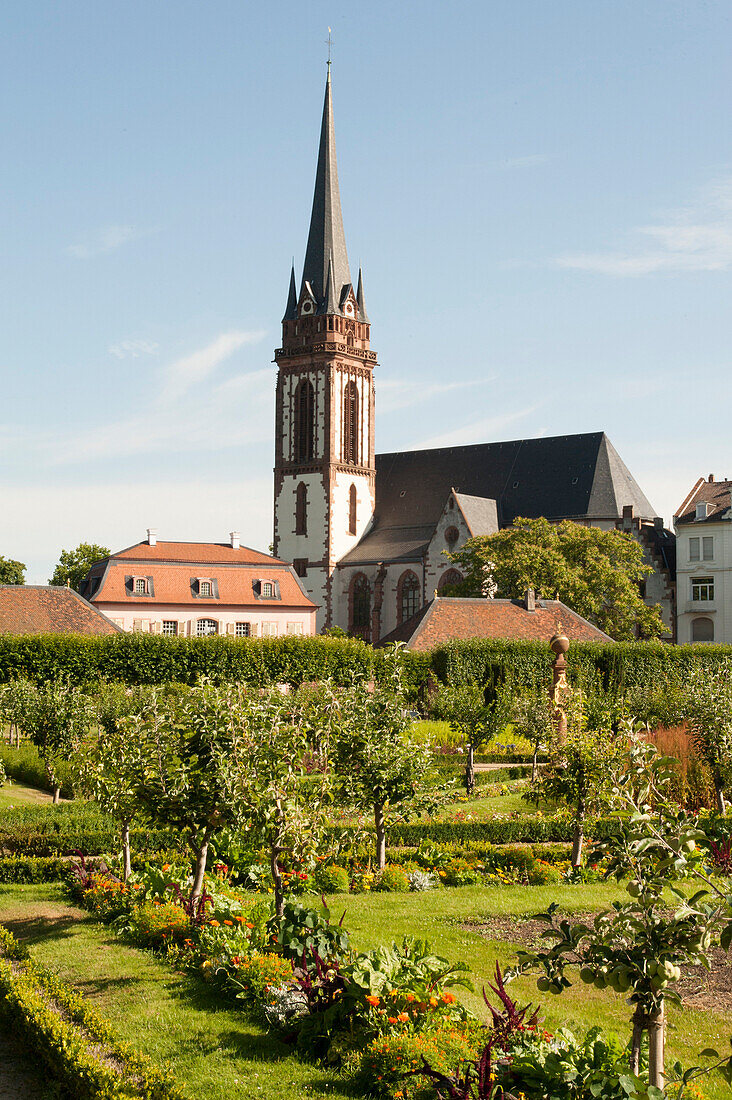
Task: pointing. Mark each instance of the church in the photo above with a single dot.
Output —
(368, 533)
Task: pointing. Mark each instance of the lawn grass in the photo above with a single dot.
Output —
(215, 1052)
(18, 794)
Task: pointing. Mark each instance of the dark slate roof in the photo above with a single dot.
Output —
(448, 617)
(480, 513)
(48, 609)
(716, 494)
(576, 477)
(326, 238)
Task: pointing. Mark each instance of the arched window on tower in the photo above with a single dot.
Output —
(352, 510)
(301, 509)
(304, 422)
(361, 606)
(409, 596)
(350, 423)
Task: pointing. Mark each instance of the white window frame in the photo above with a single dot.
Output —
(244, 632)
(139, 586)
(707, 543)
(206, 633)
(268, 590)
(170, 633)
(695, 548)
(209, 589)
(702, 589)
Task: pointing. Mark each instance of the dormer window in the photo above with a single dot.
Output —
(204, 588)
(140, 586)
(266, 590)
(702, 510)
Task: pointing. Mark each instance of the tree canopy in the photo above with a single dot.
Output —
(597, 573)
(73, 565)
(11, 572)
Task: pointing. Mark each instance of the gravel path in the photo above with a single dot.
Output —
(20, 1079)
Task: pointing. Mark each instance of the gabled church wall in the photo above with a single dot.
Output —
(436, 563)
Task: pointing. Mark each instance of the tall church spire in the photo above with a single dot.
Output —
(326, 239)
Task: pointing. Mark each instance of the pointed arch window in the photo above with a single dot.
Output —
(301, 509)
(352, 510)
(350, 423)
(304, 421)
(449, 577)
(409, 597)
(361, 606)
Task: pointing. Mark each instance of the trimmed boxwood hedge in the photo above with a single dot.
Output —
(153, 659)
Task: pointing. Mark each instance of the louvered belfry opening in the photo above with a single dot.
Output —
(350, 423)
(305, 422)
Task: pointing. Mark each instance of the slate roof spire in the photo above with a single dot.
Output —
(362, 315)
(291, 309)
(326, 240)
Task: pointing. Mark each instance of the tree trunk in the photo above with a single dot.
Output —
(198, 878)
(719, 792)
(126, 861)
(639, 1025)
(470, 770)
(579, 834)
(656, 1043)
(380, 824)
(534, 765)
(56, 795)
(279, 897)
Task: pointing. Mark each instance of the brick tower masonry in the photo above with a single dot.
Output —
(324, 431)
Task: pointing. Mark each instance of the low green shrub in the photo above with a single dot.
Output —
(76, 1044)
(27, 869)
(331, 879)
(522, 830)
(460, 873)
(154, 923)
(392, 879)
(387, 1061)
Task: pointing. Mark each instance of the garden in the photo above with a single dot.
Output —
(311, 871)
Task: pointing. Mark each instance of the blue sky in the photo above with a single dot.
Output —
(540, 195)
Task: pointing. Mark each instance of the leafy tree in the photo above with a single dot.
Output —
(181, 767)
(275, 743)
(106, 770)
(534, 718)
(16, 698)
(382, 769)
(57, 719)
(11, 572)
(580, 767)
(596, 573)
(639, 948)
(73, 565)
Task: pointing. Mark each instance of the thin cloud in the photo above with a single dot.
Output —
(396, 394)
(106, 240)
(133, 349)
(533, 160)
(697, 237)
(181, 375)
(480, 431)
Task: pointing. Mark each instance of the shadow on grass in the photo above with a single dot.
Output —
(31, 930)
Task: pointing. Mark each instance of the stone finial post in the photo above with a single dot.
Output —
(559, 644)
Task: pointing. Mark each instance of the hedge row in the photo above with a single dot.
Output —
(32, 870)
(24, 765)
(153, 659)
(75, 1043)
(47, 842)
(526, 830)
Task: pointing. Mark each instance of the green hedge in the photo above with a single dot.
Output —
(618, 666)
(77, 1046)
(30, 869)
(528, 830)
(24, 765)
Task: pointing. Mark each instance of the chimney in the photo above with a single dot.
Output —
(152, 536)
(627, 517)
(711, 479)
(658, 522)
(235, 539)
(530, 599)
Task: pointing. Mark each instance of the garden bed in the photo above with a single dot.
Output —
(698, 988)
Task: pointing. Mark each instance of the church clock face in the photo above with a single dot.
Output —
(349, 309)
(307, 307)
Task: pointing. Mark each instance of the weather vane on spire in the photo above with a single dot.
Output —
(329, 44)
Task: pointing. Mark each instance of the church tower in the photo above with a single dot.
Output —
(324, 429)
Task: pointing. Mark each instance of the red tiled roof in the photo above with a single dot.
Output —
(171, 584)
(46, 609)
(448, 618)
(716, 493)
(208, 552)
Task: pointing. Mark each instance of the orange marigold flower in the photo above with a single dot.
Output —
(403, 1017)
(410, 996)
(434, 1002)
(392, 1019)
(229, 922)
(373, 1000)
(448, 998)
(252, 926)
(214, 923)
